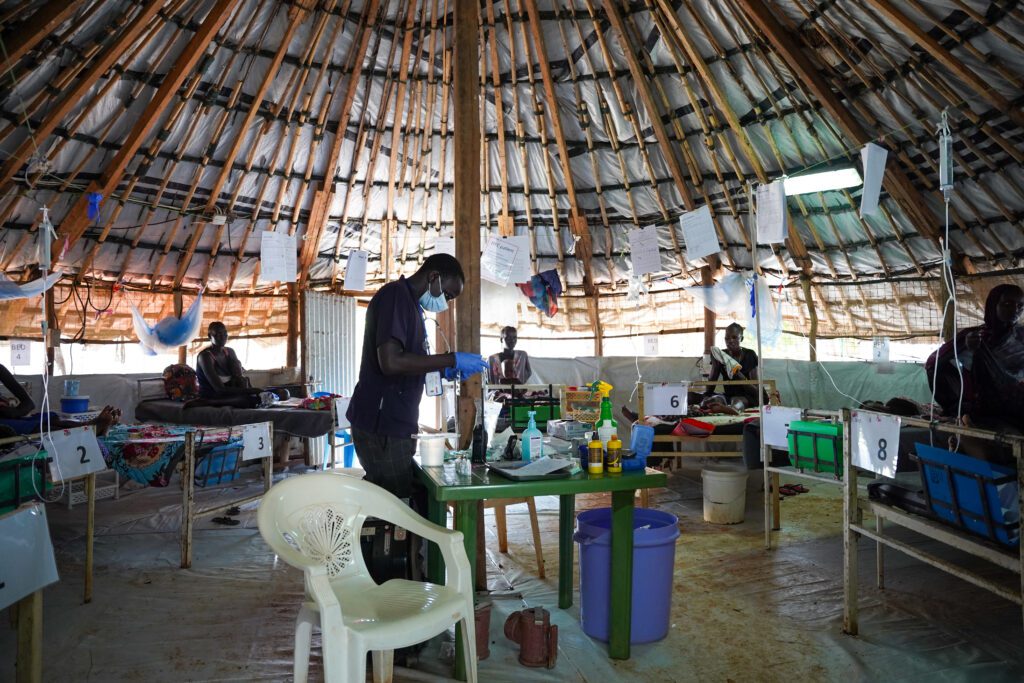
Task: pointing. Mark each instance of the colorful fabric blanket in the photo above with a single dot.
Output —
(149, 454)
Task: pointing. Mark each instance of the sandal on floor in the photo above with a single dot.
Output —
(226, 521)
(785, 490)
(797, 488)
(233, 511)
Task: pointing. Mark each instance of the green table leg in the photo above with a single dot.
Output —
(566, 510)
(465, 521)
(437, 512)
(620, 612)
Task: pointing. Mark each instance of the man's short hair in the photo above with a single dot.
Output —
(735, 326)
(215, 325)
(446, 265)
(507, 328)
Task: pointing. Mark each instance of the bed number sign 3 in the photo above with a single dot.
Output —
(73, 453)
(874, 440)
(665, 399)
(256, 441)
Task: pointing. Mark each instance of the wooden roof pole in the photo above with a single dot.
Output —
(322, 198)
(77, 219)
(20, 39)
(803, 64)
(466, 143)
(577, 221)
(950, 61)
(73, 97)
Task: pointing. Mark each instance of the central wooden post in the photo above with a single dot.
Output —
(708, 280)
(292, 349)
(178, 308)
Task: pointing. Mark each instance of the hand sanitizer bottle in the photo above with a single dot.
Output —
(533, 440)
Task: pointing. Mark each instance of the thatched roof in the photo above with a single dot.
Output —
(331, 120)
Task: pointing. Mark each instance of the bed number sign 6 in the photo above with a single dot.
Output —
(873, 437)
(256, 441)
(665, 399)
(73, 453)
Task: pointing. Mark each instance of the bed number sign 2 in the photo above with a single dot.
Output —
(665, 399)
(73, 453)
(874, 441)
(256, 441)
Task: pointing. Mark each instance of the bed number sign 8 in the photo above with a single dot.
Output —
(256, 441)
(73, 453)
(872, 437)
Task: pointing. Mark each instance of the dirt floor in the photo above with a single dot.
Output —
(739, 612)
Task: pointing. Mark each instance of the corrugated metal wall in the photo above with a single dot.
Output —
(330, 335)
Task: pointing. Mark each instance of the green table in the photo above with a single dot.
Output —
(465, 491)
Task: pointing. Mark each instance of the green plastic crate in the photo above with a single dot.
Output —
(816, 446)
(547, 409)
(16, 480)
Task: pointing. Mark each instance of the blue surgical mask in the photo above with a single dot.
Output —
(432, 303)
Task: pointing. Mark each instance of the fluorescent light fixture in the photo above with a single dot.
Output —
(820, 182)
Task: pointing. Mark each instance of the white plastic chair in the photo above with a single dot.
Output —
(313, 522)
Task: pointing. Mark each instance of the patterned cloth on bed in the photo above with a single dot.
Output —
(149, 454)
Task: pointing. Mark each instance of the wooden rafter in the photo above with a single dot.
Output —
(18, 40)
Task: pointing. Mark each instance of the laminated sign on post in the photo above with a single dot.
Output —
(875, 441)
(776, 424)
(73, 453)
(20, 353)
(256, 441)
(665, 399)
(25, 545)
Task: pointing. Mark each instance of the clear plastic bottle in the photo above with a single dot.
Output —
(533, 440)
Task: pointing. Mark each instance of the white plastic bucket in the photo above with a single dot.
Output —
(725, 495)
(432, 447)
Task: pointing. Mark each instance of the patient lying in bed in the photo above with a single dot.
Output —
(17, 416)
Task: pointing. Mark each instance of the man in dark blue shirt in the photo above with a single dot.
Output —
(385, 406)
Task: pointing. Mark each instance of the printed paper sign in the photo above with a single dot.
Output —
(643, 250)
(771, 213)
(665, 399)
(277, 257)
(775, 423)
(880, 350)
(522, 269)
(28, 554)
(498, 261)
(873, 157)
(73, 453)
(699, 233)
(355, 271)
(340, 408)
(650, 345)
(21, 353)
(444, 245)
(875, 441)
(256, 441)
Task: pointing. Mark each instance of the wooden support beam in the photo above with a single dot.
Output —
(805, 66)
(707, 279)
(178, 309)
(74, 95)
(19, 39)
(812, 314)
(984, 90)
(29, 615)
(76, 220)
(466, 143)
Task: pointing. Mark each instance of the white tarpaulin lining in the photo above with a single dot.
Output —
(986, 203)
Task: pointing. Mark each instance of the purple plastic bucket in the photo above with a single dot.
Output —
(654, 553)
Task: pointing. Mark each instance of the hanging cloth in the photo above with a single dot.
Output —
(171, 332)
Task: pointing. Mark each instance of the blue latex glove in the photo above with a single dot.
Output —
(466, 365)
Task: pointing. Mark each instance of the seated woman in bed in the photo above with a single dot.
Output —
(17, 417)
(734, 363)
(222, 381)
(992, 363)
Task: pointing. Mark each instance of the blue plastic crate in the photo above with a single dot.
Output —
(219, 465)
(972, 494)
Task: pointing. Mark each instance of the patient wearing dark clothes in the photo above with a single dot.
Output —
(221, 378)
(17, 417)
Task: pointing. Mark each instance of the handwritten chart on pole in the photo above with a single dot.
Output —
(522, 271)
(875, 441)
(699, 233)
(277, 257)
(355, 271)
(643, 249)
(771, 213)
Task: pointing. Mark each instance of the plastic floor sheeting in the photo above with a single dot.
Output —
(739, 613)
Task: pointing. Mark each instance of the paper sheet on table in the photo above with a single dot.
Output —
(444, 245)
(873, 158)
(771, 213)
(355, 271)
(542, 466)
(699, 233)
(498, 260)
(643, 249)
(277, 257)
